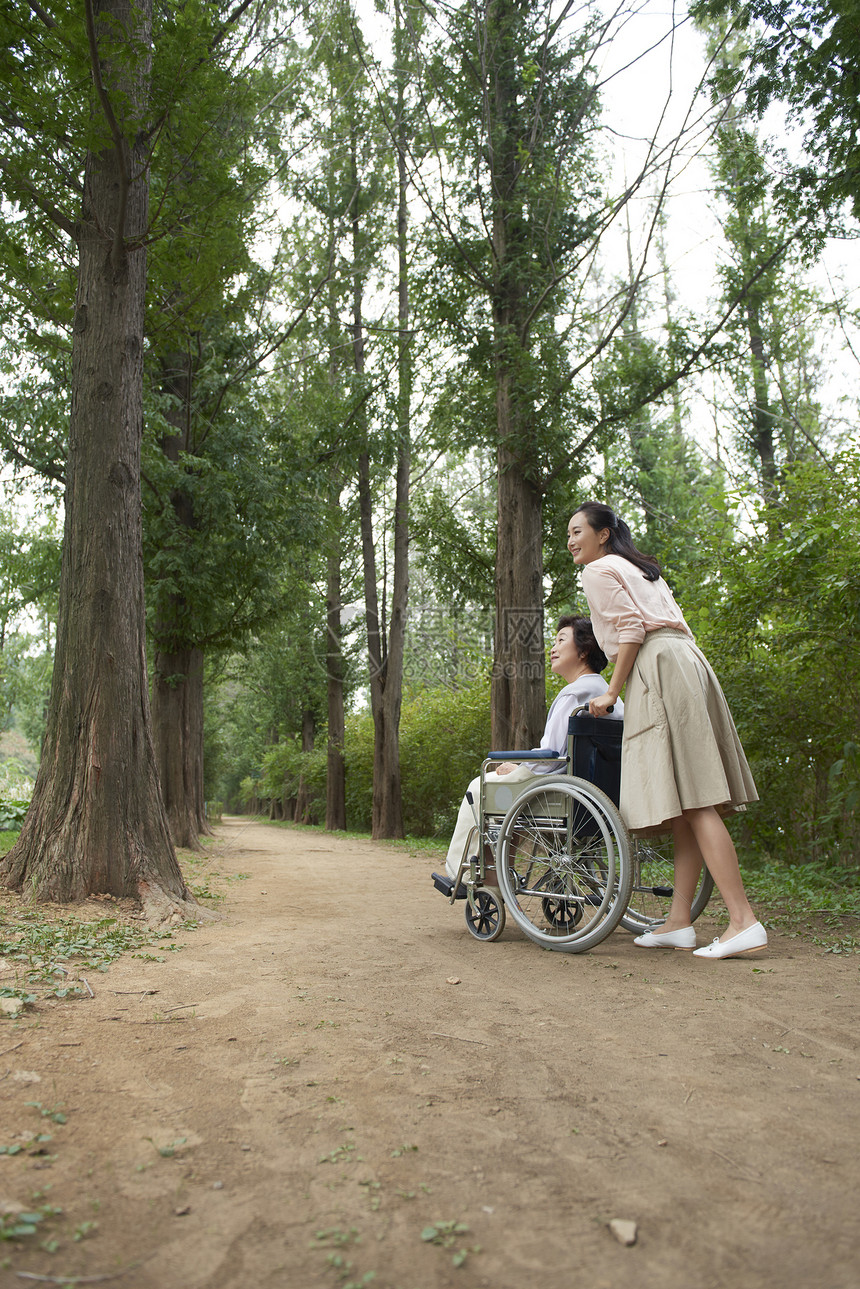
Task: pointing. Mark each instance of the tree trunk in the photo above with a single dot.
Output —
(177, 684)
(762, 417)
(377, 660)
(335, 806)
(97, 822)
(387, 811)
(388, 799)
(518, 697)
(301, 813)
(518, 694)
(177, 716)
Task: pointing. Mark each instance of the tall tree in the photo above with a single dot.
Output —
(522, 205)
(520, 107)
(387, 677)
(770, 354)
(806, 54)
(97, 820)
(224, 517)
(354, 199)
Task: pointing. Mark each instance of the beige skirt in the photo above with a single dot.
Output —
(681, 749)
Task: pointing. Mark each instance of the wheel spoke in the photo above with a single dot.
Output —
(653, 882)
(562, 852)
(485, 915)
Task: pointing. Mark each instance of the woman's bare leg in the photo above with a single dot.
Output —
(716, 846)
(688, 868)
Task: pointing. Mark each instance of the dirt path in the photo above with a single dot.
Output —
(321, 1093)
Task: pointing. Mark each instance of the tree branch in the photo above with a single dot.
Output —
(43, 15)
(46, 207)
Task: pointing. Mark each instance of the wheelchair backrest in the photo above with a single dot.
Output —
(594, 751)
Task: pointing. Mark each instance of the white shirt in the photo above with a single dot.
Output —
(583, 689)
(624, 605)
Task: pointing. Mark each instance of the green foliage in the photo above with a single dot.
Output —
(29, 562)
(453, 527)
(33, 670)
(779, 622)
(257, 702)
(214, 528)
(12, 814)
(214, 562)
(804, 54)
(29, 577)
(21, 1225)
(16, 783)
(795, 894)
(286, 768)
(444, 737)
(516, 106)
(446, 1235)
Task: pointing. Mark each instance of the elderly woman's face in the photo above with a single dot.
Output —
(583, 542)
(564, 654)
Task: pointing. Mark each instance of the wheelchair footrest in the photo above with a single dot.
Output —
(445, 884)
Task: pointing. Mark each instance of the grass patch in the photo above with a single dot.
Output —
(817, 901)
(7, 839)
(49, 950)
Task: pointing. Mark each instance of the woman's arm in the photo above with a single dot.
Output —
(627, 652)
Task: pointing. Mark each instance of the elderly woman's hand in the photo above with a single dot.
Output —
(506, 767)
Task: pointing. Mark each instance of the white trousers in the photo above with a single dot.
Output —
(466, 819)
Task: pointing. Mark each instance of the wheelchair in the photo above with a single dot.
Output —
(555, 854)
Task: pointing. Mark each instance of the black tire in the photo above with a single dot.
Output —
(563, 864)
(653, 886)
(485, 914)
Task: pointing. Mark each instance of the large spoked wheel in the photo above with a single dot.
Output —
(485, 914)
(563, 864)
(653, 886)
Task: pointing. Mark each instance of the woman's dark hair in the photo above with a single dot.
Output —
(620, 539)
(584, 639)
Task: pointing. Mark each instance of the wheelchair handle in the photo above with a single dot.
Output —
(584, 708)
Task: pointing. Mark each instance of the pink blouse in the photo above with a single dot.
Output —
(624, 605)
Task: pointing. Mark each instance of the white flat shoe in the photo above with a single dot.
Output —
(751, 940)
(683, 939)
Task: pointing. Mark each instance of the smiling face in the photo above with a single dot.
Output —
(565, 658)
(584, 542)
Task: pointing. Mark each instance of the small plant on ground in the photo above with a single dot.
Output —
(446, 1235)
(168, 1151)
(20, 1225)
(39, 945)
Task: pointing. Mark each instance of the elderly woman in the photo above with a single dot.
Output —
(577, 658)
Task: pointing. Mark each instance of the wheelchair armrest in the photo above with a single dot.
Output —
(542, 754)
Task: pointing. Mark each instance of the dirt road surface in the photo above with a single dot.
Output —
(335, 1085)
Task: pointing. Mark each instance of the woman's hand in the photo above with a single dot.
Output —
(505, 768)
(600, 706)
(623, 666)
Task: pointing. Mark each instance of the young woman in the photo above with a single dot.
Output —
(682, 764)
(577, 658)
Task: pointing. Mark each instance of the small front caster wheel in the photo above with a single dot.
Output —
(485, 915)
